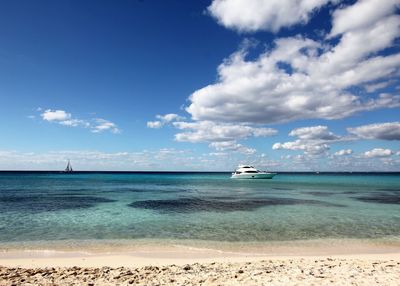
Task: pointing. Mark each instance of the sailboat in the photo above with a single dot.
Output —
(69, 168)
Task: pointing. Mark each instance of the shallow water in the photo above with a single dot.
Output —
(197, 206)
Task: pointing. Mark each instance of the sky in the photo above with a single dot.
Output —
(171, 85)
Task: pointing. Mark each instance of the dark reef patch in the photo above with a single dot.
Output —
(46, 203)
(380, 198)
(389, 190)
(282, 189)
(138, 190)
(185, 205)
(350, 192)
(321, 194)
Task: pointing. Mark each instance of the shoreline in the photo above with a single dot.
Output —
(322, 263)
(142, 253)
(46, 260)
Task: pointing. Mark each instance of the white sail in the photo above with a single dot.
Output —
(69, 167)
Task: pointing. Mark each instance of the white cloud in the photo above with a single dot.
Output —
(343, 152)
(74, 123)
(314, 133)
(218, 154)
(377, 86)
(165, 159)
(96, 125)
(362, 14)
(55, 115)
(383, 131)
(309, 147)
(297, 78)
(154, 124)
(169, 117)
(162, 159)
(313, 140)
(301, 78)
(168, 159)
(101, 125)
(222, 136)
(350, 53)
(164, 119)
(271, 15)
(232, 146)
(378, 152)
(208, 131)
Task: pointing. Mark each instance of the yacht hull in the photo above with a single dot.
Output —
(254, 176)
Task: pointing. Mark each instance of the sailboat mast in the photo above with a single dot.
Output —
(69, 168)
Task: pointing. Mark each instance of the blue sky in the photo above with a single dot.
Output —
(200, 85)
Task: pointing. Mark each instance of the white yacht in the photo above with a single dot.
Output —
(249, 172)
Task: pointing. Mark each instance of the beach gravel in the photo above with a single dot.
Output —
(266, 272)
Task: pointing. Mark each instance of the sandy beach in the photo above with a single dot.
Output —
(288, 271)
(184, 266)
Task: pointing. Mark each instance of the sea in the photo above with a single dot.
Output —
(44, 209)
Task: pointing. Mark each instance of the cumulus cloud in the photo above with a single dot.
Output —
(343, 152)
(64, 118)
(55, 115)
(222, 136)
(297, 78)
(308, 147)
(272, 15)
(317, 139)
(232, 146)
(383, 131)
(300, 78)
(169, 117)
(208, 131)
(313, 140)
(101, 125)
(314, 133)
(379, 85)
(154, 124)
(363, 13)
(378, 152)
(164, 119)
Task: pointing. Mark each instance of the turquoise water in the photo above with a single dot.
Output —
(197, 206)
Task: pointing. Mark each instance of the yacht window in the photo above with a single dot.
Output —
(238, 172)
(250, 171)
